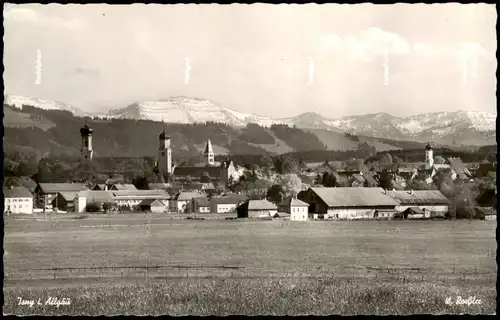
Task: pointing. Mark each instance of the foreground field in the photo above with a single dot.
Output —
(152, 265)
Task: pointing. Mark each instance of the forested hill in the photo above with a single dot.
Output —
(56, 132)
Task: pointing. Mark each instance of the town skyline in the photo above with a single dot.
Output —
(332, 65)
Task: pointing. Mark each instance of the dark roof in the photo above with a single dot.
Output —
(137, 194)
(487, 198)
(354, 197)
(16, 192)
(152, 202)
(428, 147)
(292, 202)
(258, 205)
(419, 197)
(213, 172)
(230, 199)
(487, 211)
(61, 187)
(202, 202)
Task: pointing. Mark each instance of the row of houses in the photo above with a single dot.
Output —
(313, 203)
(357, 203)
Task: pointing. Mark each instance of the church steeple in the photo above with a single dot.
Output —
(209, 153)
(86, 151)
(164, 153)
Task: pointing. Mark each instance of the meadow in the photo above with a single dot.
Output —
(140, 264)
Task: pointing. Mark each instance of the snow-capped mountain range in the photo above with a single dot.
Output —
(459, 127)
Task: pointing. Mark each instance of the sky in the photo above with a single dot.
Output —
(271, 60)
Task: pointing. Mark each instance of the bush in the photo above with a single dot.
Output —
(93, 207)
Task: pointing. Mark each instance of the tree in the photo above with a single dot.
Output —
(439, 160)
(291, 184)
(205, 178)
(385, 180)
(442, 176)
(328, 180)
(141, 183)
(275, 193)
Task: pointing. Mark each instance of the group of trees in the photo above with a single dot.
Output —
(296, 138)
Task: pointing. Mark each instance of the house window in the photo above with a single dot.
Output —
(163, 153)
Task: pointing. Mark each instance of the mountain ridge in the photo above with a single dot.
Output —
(447, 127)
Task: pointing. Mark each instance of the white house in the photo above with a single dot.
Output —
(298, 210)
(17, 200)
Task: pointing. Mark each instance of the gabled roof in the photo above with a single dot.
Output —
(419, 197)
(159, 186)
(354, 197)
(120, 186)
(258, 205)
(68, 196)
(92, 195)
(230, 199)
(61, 187)
(293, 202)
(152, 202)
(185, 196)
(16, 192)
(138, 194)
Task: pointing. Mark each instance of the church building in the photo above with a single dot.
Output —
(457, 167)
(211, 171)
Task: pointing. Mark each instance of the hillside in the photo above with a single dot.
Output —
(448, 128)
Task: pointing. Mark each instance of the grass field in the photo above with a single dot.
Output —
(159, 266)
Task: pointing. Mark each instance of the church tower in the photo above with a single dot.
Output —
(164, 154)
(429, 157)
(86, 150)
(209, 153)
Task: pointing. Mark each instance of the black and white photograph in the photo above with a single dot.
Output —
(249, 159)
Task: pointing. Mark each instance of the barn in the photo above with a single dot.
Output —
(152, 205)
(347, 203)
(256, 209)
(431, 202)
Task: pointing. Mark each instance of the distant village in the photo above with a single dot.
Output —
(196, 191)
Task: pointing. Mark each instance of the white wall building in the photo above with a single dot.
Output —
(17, 200)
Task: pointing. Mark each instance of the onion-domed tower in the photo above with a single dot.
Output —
(164, 154)
(429, 156)
(86, 151)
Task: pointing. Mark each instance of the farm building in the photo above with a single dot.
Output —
(298, 210)
(432, 202)
(46, 192)
(201, 205)
(152, 205)
(256, 209)
(130, 199)
(227, 203)
(64, 201)
(94, 197)
(17, 200)
(486, 213)
(182, 201)
(346, 203)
